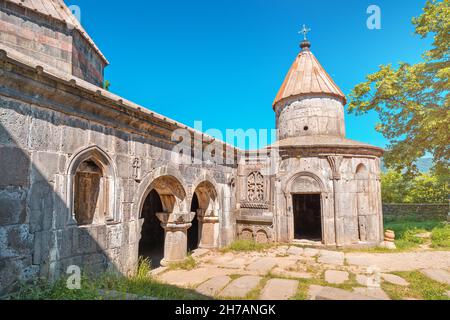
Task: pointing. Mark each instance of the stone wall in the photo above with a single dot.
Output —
(311, 116)
(46, 126)
(49, 41)
(416, 211)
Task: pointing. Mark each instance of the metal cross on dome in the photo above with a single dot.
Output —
(305, 31)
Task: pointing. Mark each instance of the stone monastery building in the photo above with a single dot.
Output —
(87, 178)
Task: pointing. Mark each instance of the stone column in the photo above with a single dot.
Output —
(335, 164)
(175, 226)
(209, 224)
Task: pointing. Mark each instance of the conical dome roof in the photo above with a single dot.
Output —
(306, 77)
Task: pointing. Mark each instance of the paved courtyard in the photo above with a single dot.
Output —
(285, 272)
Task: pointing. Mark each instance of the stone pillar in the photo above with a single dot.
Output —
(335, 164)
(209, 224)
(175, 226)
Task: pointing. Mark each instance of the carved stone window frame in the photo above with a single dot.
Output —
(101, 158)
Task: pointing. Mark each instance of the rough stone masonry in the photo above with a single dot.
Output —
(87, 178)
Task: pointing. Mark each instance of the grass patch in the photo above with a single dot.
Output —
(141, 284)
(246, 246)
(407, 229)
(421, 287)
(440, 236)
(188, 264)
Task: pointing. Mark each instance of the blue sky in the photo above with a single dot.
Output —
(223, 61)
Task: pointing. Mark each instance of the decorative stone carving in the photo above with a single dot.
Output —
(335, 164)
(137, 169)
(255, 187)
(246, 234)
(261, 237)
(251, 205)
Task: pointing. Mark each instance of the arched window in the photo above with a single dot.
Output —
(255, 187)
(91, 188)
(90, 194)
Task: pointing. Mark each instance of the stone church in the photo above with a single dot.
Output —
(87, 177)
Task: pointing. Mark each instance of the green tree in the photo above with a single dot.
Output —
(427, 188)
(394, 187)
(413, 101)
(424, 188)
(106, 85)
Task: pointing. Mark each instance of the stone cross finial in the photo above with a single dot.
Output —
(305, 31)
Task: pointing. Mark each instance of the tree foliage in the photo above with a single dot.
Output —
(413, 101)
(424, 188)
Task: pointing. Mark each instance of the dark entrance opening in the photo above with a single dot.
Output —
(151, 245)
(192, 236)
(307, 217)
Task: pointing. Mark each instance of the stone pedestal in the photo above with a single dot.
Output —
(175, 226)
(208, 231)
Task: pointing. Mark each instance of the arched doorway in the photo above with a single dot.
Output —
(204, 230)
(305, 196)
(151, 245)
(193, 231)
(164, 199)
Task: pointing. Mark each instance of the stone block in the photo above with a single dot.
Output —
(45, 134)
(76, 135)
(14, 123)
(14, 168)
(115, 236)
(84, 241)
(15, 241)
(40, 203)
(45, 166)
(12, 206)
(12, 270)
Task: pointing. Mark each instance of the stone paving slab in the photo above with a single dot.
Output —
(279, 289)
(404, 261)
(240, 287)
(328, 293)
(331, 257)
(295, 251)
(362, 279)
(392, 278)
(262, 266)
(375, 293)
(279, 272)
(213, 286)
(156, 272)
(438, 275)
(198, 253)
(188, 278)
(310, 252)
(238, 263)
(287, 263)
(336, 277)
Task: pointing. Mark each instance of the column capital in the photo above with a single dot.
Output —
(178, 220)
